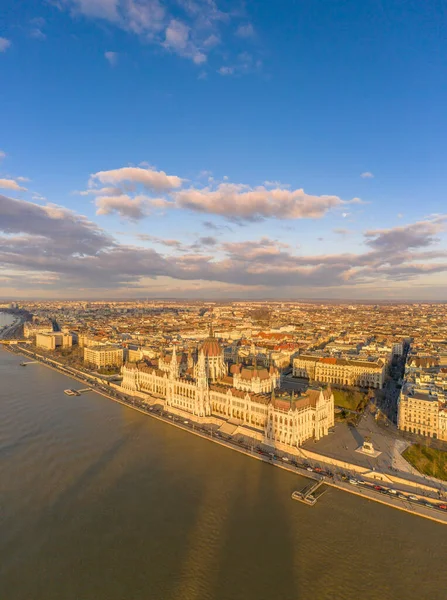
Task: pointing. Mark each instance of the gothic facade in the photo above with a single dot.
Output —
(245, 398)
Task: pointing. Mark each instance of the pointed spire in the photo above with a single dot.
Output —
(211, 329)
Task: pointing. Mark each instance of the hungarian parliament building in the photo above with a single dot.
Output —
(241, 399)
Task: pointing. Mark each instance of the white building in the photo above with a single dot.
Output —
(53, 340)
(209, 396)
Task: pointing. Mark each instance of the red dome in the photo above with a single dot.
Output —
(211, 347)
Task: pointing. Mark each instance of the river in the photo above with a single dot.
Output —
(6, 319)
(99, 502)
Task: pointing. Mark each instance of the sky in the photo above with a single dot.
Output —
(220, 149)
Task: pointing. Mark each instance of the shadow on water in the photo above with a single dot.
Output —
(8, 449)
(257, 536)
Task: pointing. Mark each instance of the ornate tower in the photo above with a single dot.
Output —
(174, 369)
(202, 379)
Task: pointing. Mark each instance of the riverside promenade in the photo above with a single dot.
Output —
(338, 480)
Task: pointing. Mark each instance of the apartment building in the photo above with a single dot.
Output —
(422, 413)
(106, 355)
(342, 371)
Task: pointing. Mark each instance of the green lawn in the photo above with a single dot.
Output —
(347, 398)
(427, 460)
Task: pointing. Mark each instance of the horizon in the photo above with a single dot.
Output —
(217, 149)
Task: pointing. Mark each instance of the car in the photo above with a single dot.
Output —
(413, 498)
(378, 488)
(401, 496)
(391, 491)
(309, 469)
(442, 506)
(285, 459)
(353, 481)
(186, 422)
(318, 470)
(429, 504)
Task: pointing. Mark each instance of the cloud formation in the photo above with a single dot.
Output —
(149, 178)
(111, 57)
(367, 175)
(234, 201)
(415, 235)
(4, 44)
(188, 28)
(11, 184)
(241, 202)
(67, 250)
(133, 209)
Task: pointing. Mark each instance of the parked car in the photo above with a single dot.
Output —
(442, 506)
(413, 498)
(353, 481)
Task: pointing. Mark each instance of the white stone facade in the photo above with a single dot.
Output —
(273, 420)
(341, 371)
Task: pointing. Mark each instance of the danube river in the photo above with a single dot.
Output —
(6, 319)
(99, 502)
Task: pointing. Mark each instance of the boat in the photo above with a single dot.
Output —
(71, 393)
(23, 364)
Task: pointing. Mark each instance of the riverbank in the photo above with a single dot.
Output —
(187, 424)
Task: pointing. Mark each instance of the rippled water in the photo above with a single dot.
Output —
(99, 502)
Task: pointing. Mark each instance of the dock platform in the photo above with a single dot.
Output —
(308, 495)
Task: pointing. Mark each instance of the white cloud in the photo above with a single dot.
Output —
(189, 28)
(4, 44)
(177, 38)
(367, 175)
(177, 35)
(102, 9)
(2, 155)
(127, 207)
(245, 31)
(226, 70)
(241, 202)
(22, 179)
(38, 34)
(150, 179)
(112, 57)
(11, 184)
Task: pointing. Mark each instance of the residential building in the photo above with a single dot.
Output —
(106, 355)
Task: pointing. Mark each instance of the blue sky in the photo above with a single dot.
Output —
(158, 148)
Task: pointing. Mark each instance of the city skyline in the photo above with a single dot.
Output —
(220, 150)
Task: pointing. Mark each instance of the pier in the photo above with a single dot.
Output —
(308, 494)
(30, 362)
